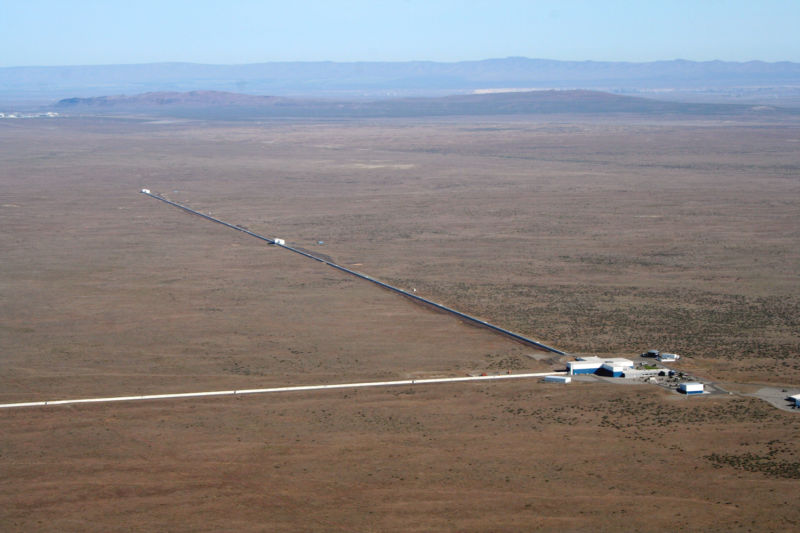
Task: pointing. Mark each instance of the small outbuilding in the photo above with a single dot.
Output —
(666, 357)
(796, 399)
(691, 387)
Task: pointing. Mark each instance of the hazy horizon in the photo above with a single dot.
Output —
(751, 82)
(478, 60)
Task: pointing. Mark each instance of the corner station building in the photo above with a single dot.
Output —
(614, 366)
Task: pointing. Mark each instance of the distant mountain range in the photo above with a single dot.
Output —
(234, 106)
(749, 82)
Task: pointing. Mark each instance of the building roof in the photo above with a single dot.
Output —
(609, 360)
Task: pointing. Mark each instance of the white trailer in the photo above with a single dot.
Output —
(557, 379)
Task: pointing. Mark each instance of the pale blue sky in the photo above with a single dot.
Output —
(85, 32)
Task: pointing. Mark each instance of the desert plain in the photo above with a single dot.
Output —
(607, 235)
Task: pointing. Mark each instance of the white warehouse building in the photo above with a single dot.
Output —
(614, 367)
(691, 387)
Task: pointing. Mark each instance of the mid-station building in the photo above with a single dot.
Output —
(614, 366)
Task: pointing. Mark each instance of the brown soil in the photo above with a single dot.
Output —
(605, 238)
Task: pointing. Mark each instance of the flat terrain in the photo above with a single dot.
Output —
(607, 237)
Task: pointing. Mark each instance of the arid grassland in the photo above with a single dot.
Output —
(604, 236)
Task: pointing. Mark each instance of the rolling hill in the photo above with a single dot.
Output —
(751, 81)
(225, 105)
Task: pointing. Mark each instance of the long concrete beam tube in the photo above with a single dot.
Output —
(301, 388)
(474, 320)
